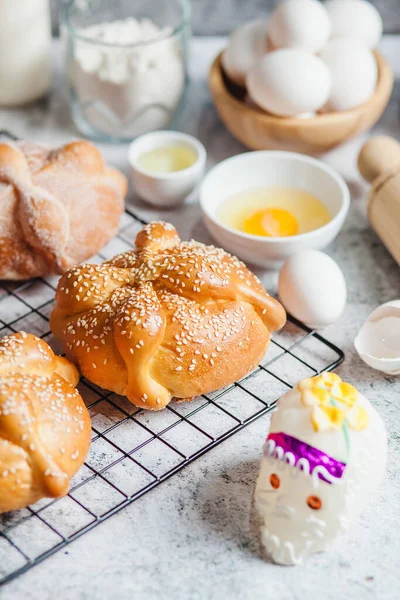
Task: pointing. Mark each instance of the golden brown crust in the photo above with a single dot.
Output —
(57, 207)
(171, 319)
(44, 425)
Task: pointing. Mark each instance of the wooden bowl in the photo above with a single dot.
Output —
(259, 130)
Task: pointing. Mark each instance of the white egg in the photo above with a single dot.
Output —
(312, 288)
(299, 24)
(355, 19)
(289, 82)
(378, 341)
(246, 45)
(307, 115)
(354, 73)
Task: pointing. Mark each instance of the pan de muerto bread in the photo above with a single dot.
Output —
(170, 319)
(44, 425)
(57, 207)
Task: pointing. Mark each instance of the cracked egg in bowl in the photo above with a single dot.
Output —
(265, 206)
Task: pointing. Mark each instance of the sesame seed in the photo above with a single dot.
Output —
(136, 289)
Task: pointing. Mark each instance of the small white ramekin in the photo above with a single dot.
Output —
(270, 168)
(165, 189)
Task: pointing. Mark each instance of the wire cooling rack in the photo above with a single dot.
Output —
(133, 450)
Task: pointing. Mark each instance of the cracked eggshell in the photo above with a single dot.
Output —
(378, 341)
(246, 45)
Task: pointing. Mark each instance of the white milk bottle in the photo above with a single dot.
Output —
(25, 38)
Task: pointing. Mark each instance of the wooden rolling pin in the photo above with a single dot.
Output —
(379, 163)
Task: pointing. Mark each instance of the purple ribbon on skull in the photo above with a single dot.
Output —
(316, 459)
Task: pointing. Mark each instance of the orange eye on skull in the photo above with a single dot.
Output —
(274, 481)
(314, 502)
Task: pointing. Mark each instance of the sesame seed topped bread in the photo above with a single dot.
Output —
(171, 319)
(57, 207)
(44, 425)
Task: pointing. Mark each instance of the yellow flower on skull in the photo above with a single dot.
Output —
(333, 402)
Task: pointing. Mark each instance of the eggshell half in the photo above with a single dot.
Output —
(378, 341)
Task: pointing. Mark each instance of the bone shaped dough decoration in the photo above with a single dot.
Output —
(57, 207)
(324, 456)
(170, 319)
(45, 428)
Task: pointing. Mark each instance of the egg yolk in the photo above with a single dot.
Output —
(272, 222)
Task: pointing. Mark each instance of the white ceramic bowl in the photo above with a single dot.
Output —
(268, 168)
(166, 189)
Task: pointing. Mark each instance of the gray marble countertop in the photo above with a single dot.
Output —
(189, 538)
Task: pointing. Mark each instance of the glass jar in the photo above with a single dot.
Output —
(125, 64)
(25, 38)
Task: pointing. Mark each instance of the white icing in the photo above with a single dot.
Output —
(303, 464)
(291, 529)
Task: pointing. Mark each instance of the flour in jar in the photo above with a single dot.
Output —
(128, 76)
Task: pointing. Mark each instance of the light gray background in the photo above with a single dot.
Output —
(190, 538)
(211, 17)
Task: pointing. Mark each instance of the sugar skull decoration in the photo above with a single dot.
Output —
(324, 456)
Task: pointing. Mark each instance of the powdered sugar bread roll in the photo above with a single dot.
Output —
(171, 319)
(57, 208)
